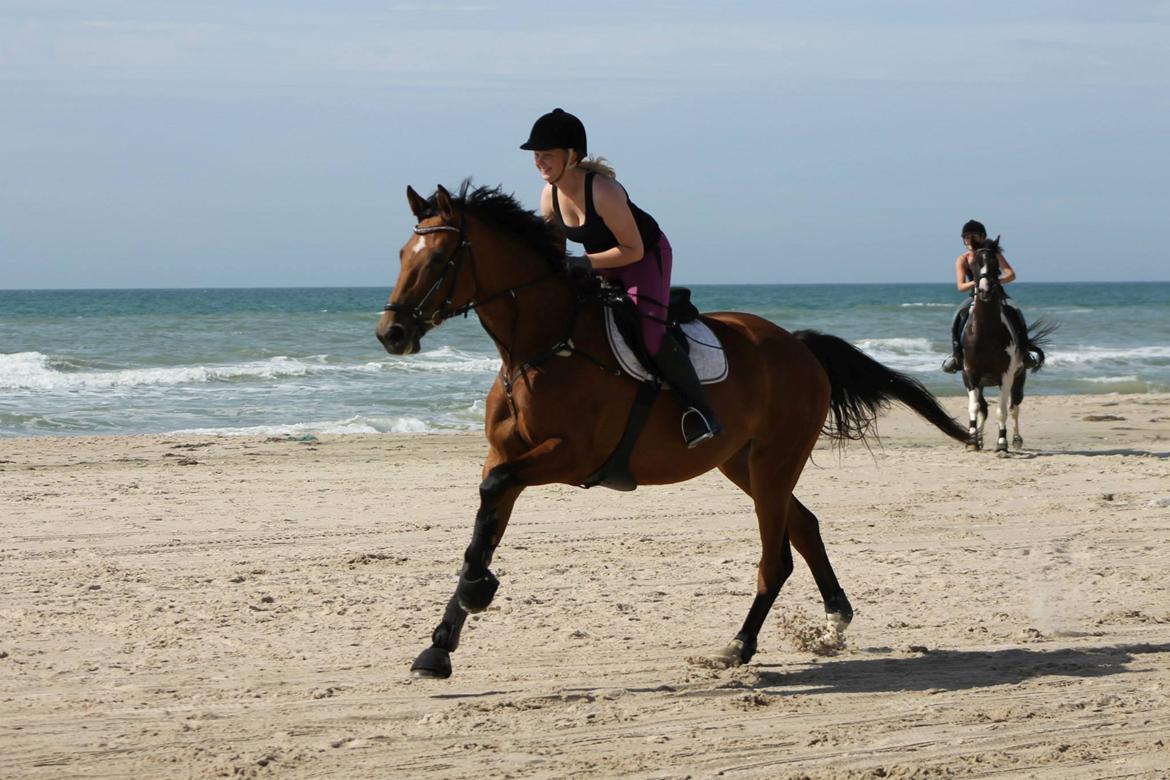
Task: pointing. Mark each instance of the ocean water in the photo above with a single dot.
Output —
(297, 361)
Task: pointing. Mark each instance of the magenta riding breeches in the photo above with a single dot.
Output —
(649, 289)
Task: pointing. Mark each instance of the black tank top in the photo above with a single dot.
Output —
(594, 234)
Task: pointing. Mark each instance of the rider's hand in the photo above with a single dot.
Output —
(578, 268)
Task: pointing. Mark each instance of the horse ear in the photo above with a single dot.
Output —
(418, 206)
(443, 198)
(996, 241)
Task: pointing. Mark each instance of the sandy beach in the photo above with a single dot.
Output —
(181, 606)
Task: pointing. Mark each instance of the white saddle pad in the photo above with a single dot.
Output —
(706, 353)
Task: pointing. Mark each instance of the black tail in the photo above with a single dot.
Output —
(1038, 338)
(863, 387)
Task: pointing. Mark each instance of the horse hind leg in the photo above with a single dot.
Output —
(805, 535)
(771, 479)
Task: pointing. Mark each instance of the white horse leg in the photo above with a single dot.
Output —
(1001, 413)
(1017, 439)
(974, 424)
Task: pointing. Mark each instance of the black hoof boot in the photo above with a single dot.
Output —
(475, 595)
(434, 663)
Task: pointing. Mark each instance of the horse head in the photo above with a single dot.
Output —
(985, 269)
(431, 286)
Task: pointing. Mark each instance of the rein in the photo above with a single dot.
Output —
(562, 348)
(443, 312)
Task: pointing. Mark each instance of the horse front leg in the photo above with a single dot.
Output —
(1017, 439)
(502, 484)
(974, 419)
(1001, 415)
(477, 585)
(1017, 399)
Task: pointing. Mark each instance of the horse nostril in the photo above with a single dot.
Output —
(396, 334)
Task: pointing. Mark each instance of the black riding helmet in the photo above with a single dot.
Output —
(558, 129)
(974, 228)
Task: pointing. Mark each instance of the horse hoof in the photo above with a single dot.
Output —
(433, 663)
(475, 595)
(833, 637)
(737, 653)
(1017, 443)
(836, 623)
(1002, 453)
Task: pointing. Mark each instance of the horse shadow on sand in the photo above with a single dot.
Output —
(951, 670)
(1124, 451)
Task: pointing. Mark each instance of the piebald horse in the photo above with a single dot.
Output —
(553, 417)
(993, 352)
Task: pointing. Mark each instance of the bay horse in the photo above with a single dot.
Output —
(993, 351)
(552, 416)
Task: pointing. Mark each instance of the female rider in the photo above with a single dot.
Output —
(622, 243)
(974, 231)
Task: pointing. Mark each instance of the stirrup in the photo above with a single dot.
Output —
(709, 431)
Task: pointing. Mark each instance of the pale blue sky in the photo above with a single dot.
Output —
(160, 144)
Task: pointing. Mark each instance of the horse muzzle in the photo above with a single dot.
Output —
(399, 338)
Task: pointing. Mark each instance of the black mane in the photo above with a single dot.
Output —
(986, 243)
(501, 209)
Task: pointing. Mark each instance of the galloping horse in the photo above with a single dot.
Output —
(993, 354)
(553, 417)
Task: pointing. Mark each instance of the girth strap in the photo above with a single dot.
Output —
(615, 472)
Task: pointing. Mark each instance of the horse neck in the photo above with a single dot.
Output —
(986, 314)
(537, 316)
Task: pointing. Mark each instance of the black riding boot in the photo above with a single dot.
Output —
(955, 362)
(1021, 328)
(698, 421)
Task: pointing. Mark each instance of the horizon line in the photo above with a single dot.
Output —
(680, 284)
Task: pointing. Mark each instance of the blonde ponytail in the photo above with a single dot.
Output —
(594, 164)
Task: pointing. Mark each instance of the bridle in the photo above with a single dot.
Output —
(454, 260)
(985, 273)
(445, 311)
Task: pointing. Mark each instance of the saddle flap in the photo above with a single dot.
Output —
(706, 352)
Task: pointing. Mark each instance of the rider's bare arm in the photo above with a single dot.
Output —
(961, 280)
(1006, 272)
(612, 205)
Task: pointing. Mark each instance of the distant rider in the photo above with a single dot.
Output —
(965, 280)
